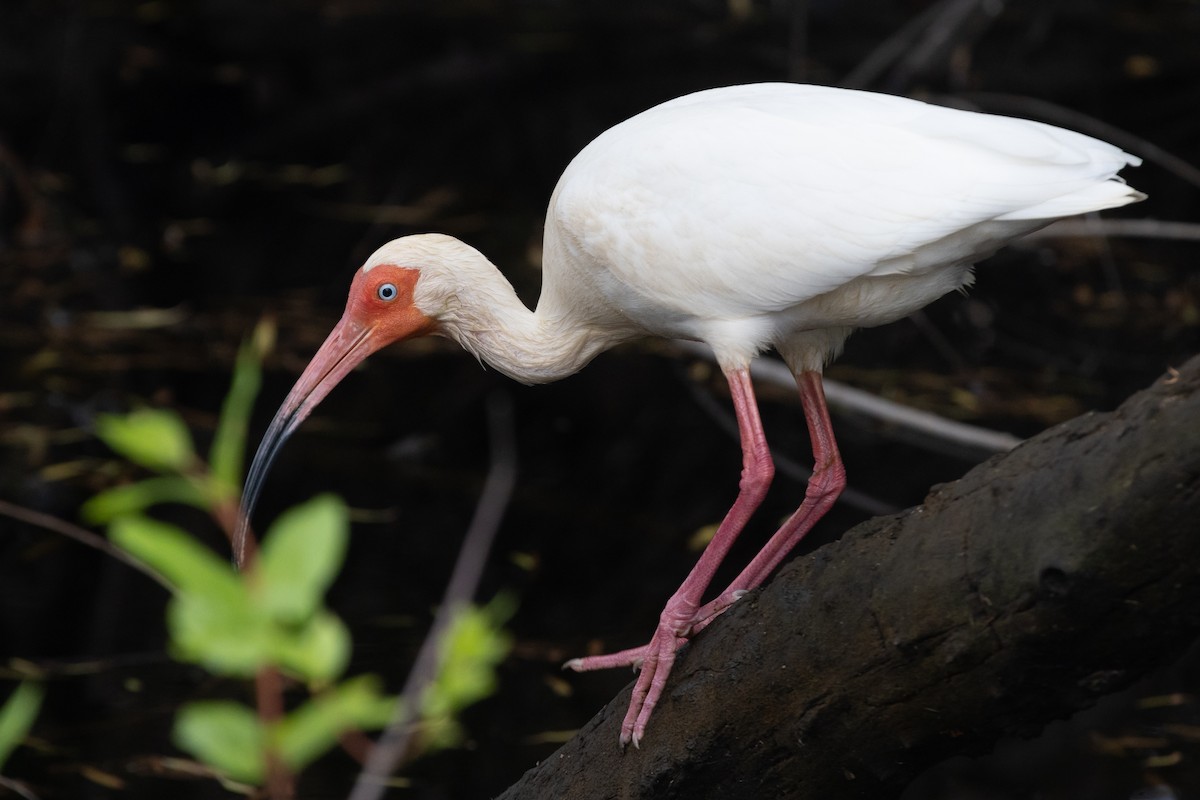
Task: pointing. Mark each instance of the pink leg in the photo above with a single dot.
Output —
(680, 615)
(827, 482)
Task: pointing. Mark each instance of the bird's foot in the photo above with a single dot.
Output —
(654, 661)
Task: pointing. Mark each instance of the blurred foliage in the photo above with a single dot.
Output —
(159, 440)
(17, 716)
(273, 616)
(473, 647)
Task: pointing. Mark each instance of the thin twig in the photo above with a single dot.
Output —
(940, 343)
(19, 669)
(493, 502)
(1112, 228)
(81, 535)
(891, 49)
(18, 788)
(935, 433)
(854, 498)
(917, 44)
(268, 700)
(953, 24)
(1060, 115)
(392, 746)
(268, 680)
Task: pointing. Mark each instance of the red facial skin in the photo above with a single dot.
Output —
(389, 320)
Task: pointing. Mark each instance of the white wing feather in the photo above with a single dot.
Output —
(736, 202)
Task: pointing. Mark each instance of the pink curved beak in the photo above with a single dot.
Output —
(348, 344)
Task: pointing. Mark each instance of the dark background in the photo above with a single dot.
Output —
(171, 171)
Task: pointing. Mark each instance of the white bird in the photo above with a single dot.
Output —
(747, 217)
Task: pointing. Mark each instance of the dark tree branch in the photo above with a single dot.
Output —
(1045, 578)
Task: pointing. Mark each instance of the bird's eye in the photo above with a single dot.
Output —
(386, 292)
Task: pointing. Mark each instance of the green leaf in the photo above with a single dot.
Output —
(309, 731)
(472, 647)
(136, 497)
(229, 443)
(228, 636)
(212, 618)
(190, 566)
(317, 652)
(154, 438)
(17, 716)
(301, 555)
(225, 735)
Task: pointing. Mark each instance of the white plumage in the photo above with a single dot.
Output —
(746, 204)
(745, 217)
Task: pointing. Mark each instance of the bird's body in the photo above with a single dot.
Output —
(744, 215)
(768, 215)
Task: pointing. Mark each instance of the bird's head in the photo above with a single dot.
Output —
(399, 293)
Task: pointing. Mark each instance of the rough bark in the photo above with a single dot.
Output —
(1043, 579)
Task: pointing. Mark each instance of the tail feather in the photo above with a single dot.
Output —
(1112, 193)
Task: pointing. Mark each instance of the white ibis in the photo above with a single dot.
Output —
(748, 217)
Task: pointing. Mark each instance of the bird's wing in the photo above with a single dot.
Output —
(751, 199)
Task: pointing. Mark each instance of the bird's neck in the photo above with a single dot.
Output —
(541, 346)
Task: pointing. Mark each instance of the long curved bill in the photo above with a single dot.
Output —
(347, 345)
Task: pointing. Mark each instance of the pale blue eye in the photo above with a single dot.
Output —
(386, 292)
